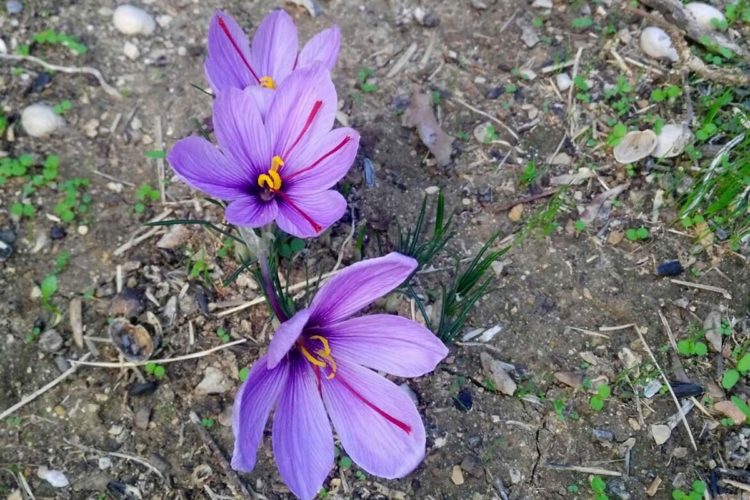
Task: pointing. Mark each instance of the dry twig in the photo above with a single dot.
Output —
(66, 69)
(130, 364)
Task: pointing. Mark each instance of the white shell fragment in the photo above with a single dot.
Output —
(55, 478)
(635, 146)
(704, 14)
(672, 140)
(131, 20)
(656, 43)
(40, 120)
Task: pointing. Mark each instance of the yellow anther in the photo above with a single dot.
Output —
(276, 163)
(312, 359)
(268, 83)
(326, 347)
(265, 181)
(272, 180)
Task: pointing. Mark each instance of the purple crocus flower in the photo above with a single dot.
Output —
(320, 365)
(233, 62)
(278, 168)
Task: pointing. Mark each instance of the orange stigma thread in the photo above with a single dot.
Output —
(268, 83)
(271, 180)
(324, 356)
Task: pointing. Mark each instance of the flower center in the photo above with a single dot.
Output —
(271, 180)
(268, 83)
(320, 357)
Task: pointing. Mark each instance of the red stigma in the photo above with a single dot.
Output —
(319, 160)
(398, 423)
(316, 107)
(225, 29)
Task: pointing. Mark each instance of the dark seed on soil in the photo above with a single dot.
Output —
(686, 389)
(603, 435)
(494, 92)
(57, 232)
(7, 239)
(40, 82)
(201, 298)
(143, 388)
(670, 268)
(464, 400)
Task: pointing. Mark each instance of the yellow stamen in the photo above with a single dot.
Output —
(312, 359)
(324, 341)
(323, 358)
(268, 83)
(272, 180)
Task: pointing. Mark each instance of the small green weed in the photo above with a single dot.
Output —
(699, 488)
(363, 75)
(603, 392)
(598, 487)
(158, 371)
(52, 37)
(145, 195)
(637, 234)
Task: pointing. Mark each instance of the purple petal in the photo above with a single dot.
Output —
(377, 422)
(274, 48)
(240, 131)
(203, 167)
(387, 343)
(358, 286)
(262, 97)
(308, 214)
(302, 437)
(302, 110)
(252, 404)
(322, 48)
(250, 211)
(228, 55)
(285, 337)
(322, 164)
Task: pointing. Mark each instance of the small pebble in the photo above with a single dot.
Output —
(515, 475)
(13, 7)
(652, 388)
(131, 51)
(142, 417)
(603, 435)
(57, 232)
(131, 20)
(40, 120)
(105, 463)
(59, 410)
(62, 364)
(563, 82)
(50, 341)
(432, 190)
(83, 230)
(457, 476)
(516, 213)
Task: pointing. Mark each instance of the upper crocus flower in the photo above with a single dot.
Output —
(280, 167)
(233, 62)
(320, 362)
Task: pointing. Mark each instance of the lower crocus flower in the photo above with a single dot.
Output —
(280, 167)
(320, 364)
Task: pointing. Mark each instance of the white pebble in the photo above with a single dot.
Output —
(705, 14)
(131, 51)
(54, 477)
(656, 43)
(432, 190)
(563, 82)
(40, 120)
(105, 463)
(83, 230)
(131, 20)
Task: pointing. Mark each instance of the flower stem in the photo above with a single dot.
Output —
(260, 247)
